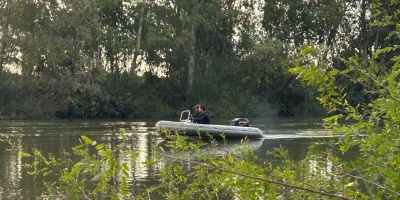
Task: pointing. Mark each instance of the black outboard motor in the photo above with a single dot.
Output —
(240, 122)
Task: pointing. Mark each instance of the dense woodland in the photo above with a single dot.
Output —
(153, 58)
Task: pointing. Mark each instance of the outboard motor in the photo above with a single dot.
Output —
(240, 122)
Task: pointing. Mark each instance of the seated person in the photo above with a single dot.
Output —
(196, 110)
(202, 117)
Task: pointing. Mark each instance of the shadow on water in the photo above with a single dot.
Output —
(51, 136)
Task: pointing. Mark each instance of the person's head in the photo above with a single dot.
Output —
(196, 108)
(202, 109)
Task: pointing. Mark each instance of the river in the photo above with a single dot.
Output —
(50, 136)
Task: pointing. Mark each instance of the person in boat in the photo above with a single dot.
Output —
(201, 117)
(196, 110)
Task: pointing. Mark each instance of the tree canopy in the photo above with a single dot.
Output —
(120, 58)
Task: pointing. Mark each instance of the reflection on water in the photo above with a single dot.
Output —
(54, 135)
(11, 172)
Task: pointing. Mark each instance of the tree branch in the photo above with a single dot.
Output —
(254, 177)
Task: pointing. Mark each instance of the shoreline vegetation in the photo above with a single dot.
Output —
(120, 59)
(97, 95)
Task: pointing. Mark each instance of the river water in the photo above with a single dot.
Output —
(51, 136)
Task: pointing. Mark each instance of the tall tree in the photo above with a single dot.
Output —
(320, 22)
(138, 39)
(4, 36)
(192, 51)
(363, 25)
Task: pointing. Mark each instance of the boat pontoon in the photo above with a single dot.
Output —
(186, 127)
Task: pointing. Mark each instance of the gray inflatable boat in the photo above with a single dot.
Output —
(188, 128)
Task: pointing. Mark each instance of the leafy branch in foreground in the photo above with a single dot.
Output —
(237, 174)
(192, 169)
(96, 174)
(375, 127)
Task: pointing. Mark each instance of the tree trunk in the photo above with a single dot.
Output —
(377, 39)
(98, 53)
(364, 40)
(138, 37)
(4, 37)
(117, 69)
(192, 55)
(192, 62)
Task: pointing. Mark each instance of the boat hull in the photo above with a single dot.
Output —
(193, 129)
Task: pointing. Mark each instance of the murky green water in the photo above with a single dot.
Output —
(51, 136)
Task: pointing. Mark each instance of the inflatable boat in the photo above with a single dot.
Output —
(188, 128)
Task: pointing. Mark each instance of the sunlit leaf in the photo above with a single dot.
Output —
(86, 140)
(309, 50)
(332, 72)
(333, 93)
(99, 146)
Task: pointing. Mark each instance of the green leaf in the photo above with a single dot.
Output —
(134, 155)
(214, 163)
(309, 50)
(103, 153)
(332, 73)
(125, 166)
(336, 101)
(323, 99)
(113, 164)
(159, 149)
(333, 93)
(47, 172)
(97, 177)
(334, 117)
(383, 50)
(125, 172)
(296, 69)
(81, 152)
(99, 146)
(86, 140)
(122, 133)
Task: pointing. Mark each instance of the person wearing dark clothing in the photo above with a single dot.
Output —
(196, 110)
(201, 117)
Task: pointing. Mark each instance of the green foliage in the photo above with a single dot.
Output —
(237, 174)
(83, 51)
(195, 169)
(90, 171)
(375, 127)
(317, 22)
(264, 72)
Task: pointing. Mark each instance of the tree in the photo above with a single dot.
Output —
(5, 36)
(321, 22)
(192, 51)
(138, 39)
(264, 72)
(376, 126)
